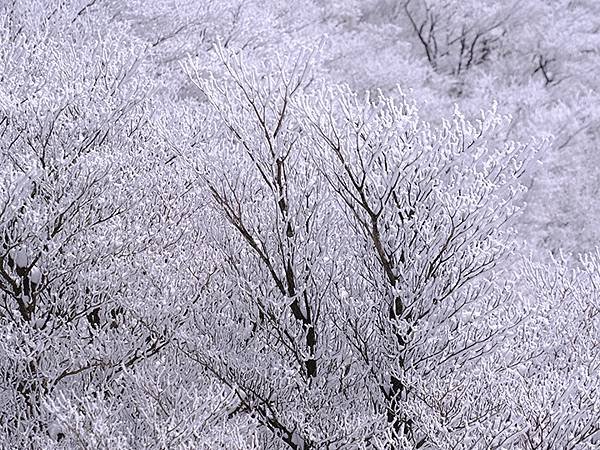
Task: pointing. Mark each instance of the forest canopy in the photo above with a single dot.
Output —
(368, 224)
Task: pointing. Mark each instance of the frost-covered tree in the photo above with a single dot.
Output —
(272, 232)
(93, 274)
(427, 209)
(555, 395)
(456, 36)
